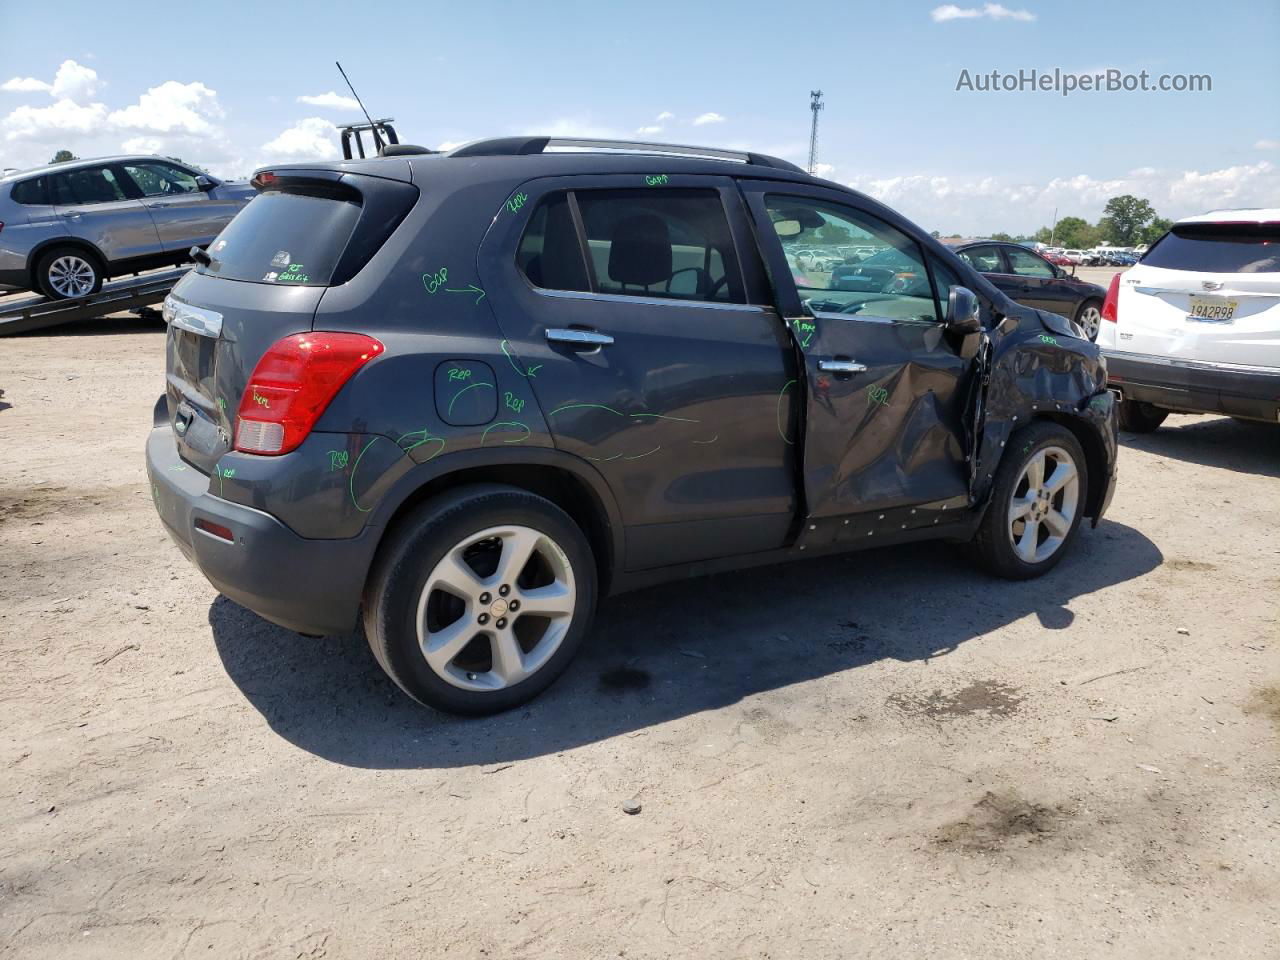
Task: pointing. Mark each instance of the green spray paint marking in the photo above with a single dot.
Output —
(351, 480)
(294, 274)
(222, 405)
(457, 374)
(663, 416)
(781, 394)
(513, 402)
(805, 329)
(469, 288)
(604, 459)
(434, 281)
(531, 372)
(426, 437)
(1048, 340)
(656, 180)
(507, 423)
(223, 475)
(259, 399)
(877, 395)
(338, 459)
(712, 440)
(516, 202)
(640, 455)
(478, 383)
(576, 406)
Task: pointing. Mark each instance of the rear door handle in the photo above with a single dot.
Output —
(578, 338)
(71, 216)
(841, 366)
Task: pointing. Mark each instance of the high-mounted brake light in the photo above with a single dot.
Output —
(1113, 297)
(264, 179)
(293, 384)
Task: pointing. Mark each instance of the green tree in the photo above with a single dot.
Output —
(62, 156)
(833, 233)
(1125, 218)
(1155, 230)
(1004, 237)
(1074, 232)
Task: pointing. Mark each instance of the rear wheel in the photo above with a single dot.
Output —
(1089, 317)
(480, 599)
(1036, 505)
(65, 273)
(1137, 417)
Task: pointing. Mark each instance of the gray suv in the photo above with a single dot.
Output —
(64, 228)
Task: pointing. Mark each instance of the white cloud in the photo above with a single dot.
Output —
(448, 145)
(981, 205)
(648, 131)
(172, 107)
(45, 124)
(575, 127)
(992, 11)
(1267, 145)
(706, 118)
(74, 82)
(142, 145)
(332, 100)
(26, 85)
(312, 138)
(664, 116)
(824, 170)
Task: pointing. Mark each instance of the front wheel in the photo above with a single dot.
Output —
(1089, 317)
(1036, 504)
(480, 599)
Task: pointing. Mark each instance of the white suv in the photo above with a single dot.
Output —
(1194, 326)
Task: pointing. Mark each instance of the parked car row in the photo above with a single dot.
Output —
(66, 227)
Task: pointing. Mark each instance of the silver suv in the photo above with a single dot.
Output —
(64, 228)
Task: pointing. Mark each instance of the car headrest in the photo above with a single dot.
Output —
(640, 251)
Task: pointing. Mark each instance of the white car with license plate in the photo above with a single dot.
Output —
(1194, 326)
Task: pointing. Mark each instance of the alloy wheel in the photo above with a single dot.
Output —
(72, 276)
(496, 608)
(1090, 320)
(1044, 504)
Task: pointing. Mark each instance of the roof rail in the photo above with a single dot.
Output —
(522, 146)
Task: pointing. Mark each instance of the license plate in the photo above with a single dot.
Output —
(1212, 309)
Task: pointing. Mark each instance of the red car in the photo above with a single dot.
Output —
(1058, 259)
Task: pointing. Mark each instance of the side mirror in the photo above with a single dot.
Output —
(204, 183)
(962, 311)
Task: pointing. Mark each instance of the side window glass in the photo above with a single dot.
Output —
(161, 179)
(1027, 264)
(661, 243)
(90, 185)
(945, 278)
(549, 253)
(882, 275)
(982, 259)
(29, 191)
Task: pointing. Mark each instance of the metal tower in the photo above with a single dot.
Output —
(815, 104)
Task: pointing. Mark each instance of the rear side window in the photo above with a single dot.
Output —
(291, 239)
(29, 191)
(89, 185)
(644, 243)
(982, 259)
(1218, 248)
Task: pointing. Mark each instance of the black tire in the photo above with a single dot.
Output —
(1136, 417)
(993, 543)
(1094, 309)
(410, 554)
(46, 284)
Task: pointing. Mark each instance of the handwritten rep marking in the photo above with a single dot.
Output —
(338, 459)
(512, 401)
(516, 202)
(877, 395)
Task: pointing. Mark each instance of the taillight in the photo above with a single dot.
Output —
(1113, 296)
(293, 383)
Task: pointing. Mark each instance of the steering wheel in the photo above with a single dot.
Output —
(900, 284)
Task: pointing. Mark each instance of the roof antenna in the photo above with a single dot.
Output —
(373, 127)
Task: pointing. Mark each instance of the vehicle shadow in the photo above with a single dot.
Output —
(4, 404)
(666, 652)
(1215, 442)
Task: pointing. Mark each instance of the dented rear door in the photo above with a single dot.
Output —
(884, 386)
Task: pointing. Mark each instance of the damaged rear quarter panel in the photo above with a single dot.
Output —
(1036, 373)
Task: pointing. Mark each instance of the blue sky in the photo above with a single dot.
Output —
(222, 88)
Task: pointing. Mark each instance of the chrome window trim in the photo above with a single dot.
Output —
(648, 301)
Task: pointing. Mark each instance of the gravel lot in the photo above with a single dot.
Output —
(882, 755)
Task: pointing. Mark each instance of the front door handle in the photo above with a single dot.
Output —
(578, 338)
(841, 366)
(71, 216)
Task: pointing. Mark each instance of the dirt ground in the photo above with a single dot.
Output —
(884, 755)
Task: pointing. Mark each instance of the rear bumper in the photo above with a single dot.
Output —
(1196, 386)
(311, 586)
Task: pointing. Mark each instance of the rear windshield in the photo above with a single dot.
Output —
(289, 239)
(1218, 248)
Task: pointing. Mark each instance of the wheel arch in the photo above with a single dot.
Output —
(1095, 457)
(570, 484)
(44, 246)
